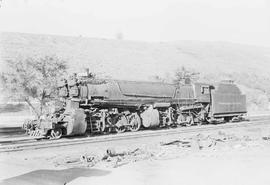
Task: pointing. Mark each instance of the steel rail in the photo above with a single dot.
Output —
(25, 138)
(18, 131)
(126, 136)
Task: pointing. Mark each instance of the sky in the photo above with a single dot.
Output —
(239, 21)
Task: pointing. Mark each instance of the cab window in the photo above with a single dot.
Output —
(205, 90)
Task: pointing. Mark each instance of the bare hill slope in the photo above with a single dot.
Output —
(248, 65)
(138, 60)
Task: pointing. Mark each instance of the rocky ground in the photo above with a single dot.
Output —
(231, 156)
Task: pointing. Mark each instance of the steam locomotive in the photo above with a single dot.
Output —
(104, 106)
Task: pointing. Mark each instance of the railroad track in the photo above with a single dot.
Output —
(17, 131)
(34, 144)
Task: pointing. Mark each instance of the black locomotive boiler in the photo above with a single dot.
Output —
(103, 106)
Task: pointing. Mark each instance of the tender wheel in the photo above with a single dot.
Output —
(121, 123)
(56, 133)
(228, 119)
(235, 119)
(135, 122)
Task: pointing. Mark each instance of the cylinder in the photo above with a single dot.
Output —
(76, 123)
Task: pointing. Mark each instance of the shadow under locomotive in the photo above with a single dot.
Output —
(105, 106)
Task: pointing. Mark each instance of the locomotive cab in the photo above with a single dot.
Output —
(203, 92)
(198, 92)
(193, 101)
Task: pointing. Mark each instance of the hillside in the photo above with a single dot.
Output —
(138, 60)
(248, 65)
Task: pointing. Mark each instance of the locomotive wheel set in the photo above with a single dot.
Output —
(105, 106)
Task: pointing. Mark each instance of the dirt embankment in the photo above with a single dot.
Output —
(214, 157)
(119, 156)
(241, 155)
